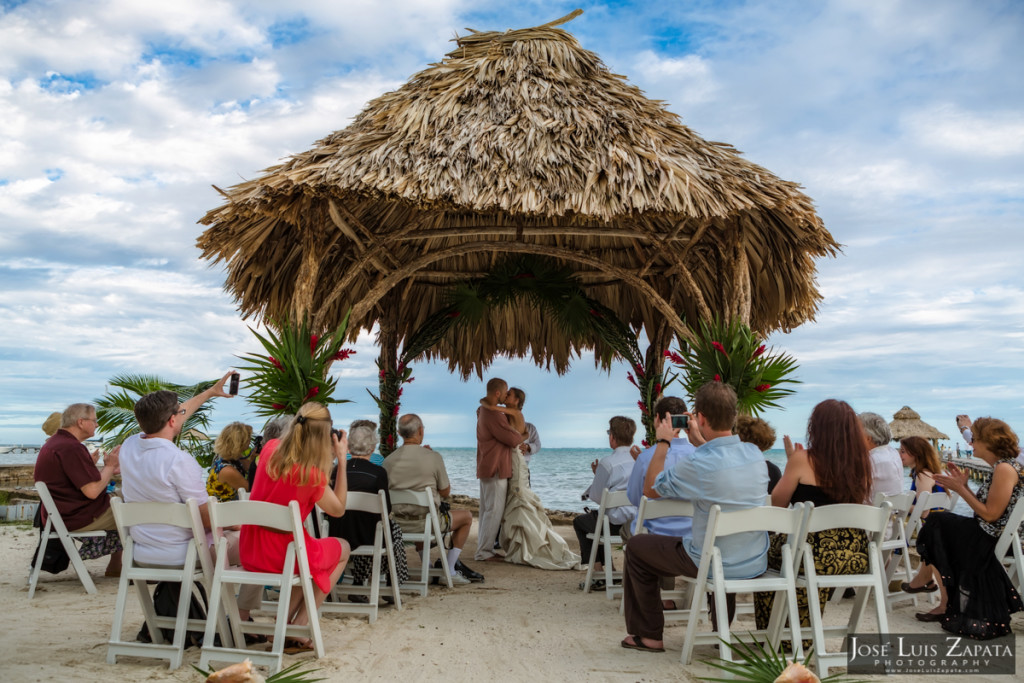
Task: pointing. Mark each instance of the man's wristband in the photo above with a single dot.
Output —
(664, 441)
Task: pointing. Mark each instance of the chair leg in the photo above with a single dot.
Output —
(396, 593)
(149, 612)
(33, 576)
(118, 624)
(78, 564)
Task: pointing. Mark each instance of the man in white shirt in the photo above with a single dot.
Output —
(610, 472)
(155, 470)
(886, 466)
(679, 448)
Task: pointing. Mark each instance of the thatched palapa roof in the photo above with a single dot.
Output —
(519, 143)
(906, 422)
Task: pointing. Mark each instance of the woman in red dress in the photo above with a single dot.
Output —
(297, 468)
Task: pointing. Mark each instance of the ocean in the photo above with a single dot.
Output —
(558, 475)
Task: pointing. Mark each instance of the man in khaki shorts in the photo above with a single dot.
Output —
(77, 486)
(414, 466)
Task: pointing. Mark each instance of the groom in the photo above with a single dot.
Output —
(495, 439)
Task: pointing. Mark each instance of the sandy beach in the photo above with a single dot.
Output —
(522, 624)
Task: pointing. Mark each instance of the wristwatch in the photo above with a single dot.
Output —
(664, 441)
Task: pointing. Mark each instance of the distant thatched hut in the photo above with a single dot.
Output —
(519, 143)
(906, 422)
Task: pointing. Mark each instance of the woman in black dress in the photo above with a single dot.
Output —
(962, 549)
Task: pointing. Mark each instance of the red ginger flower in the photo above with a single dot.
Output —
(657, 388)
(395, 411)
(391, 439)
(718, 347)
(718, 378)
(311, 393)
(642, 406)
(381, 374)
(594, 312)
(763, 387)
(399, 391)
(276, 363)
(313, 340)
(639, 370)
(643, 442)
(454, 314)
(760, 350)
(277, 406)
(410, 379)
(344, 354)
(629, 376)
(675, 357)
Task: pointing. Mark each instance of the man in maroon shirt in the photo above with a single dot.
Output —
(495, 439)
(78, 487)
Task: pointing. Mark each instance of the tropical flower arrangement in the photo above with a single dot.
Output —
(389, 401)
(294, 368)
(732, 353)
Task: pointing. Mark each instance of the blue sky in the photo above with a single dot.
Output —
(904, 121)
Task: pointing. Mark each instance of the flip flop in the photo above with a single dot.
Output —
(929, 587)
(635, 643)
(294, 647)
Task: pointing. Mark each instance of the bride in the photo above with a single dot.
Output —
(526, 533)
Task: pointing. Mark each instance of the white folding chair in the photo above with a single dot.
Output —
(711, 577)
(222, 595)
(895, 549)
(604, 538)
(657, 508)
(432, 535)
(54, 528)
(196, 571)
(1008, 548)
(872, 520)
(382, 550)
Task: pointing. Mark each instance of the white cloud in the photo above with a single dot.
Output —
(948, 127)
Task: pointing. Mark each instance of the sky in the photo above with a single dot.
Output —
(903, 120)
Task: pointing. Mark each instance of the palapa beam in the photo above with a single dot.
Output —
(519, 142)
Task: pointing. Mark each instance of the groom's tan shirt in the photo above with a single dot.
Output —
(495, 439)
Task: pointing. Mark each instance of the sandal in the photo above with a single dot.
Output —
(929, 587)
(294, 646)
(636, 643)
(595, 585)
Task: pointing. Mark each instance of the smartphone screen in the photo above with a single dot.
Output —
(233, 388)
(680, 421)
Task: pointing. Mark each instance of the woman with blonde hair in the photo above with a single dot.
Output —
(231, 462)
(962, 549)
(297, 468)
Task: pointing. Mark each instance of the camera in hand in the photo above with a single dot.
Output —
(338, 433)
(233, 388)
(680, 421)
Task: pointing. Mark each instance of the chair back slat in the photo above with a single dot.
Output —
(358, 501)
(52, 515)
(870, 518)
(655, 508)
(772, 519)
(409, 497)
(613, 499)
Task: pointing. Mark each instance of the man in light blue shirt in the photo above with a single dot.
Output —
(612, 473)
(721, 471)
(679, 449)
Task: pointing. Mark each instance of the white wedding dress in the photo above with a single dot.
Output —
(526, 533)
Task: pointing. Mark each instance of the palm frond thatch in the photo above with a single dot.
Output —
(519, 143)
